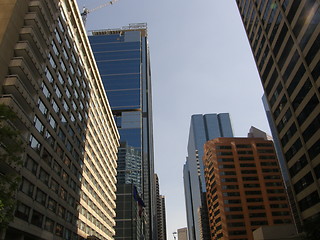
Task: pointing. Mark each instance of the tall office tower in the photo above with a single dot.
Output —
(161, 212)
(284, 38)
(244, 187)
(283, 166)
(183, 234)
(202, 128)
(49, 79)
(122, 57)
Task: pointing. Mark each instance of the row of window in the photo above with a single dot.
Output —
(36, 218)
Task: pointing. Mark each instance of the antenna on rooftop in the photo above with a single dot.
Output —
(86, 11)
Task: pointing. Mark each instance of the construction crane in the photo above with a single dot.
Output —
(86, 11)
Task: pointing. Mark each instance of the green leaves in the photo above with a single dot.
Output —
(10, 162)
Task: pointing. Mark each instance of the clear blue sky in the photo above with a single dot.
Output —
(201, 62)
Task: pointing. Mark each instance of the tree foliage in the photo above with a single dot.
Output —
(10, 161)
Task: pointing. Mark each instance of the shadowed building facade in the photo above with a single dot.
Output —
(202, 128)
(122, 56)
(49, 79)
(285, 39)
(244, 187)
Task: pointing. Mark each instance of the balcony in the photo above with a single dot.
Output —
(22, 122)
(14, 86)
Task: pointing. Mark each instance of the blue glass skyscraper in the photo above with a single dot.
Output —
(202, 128)
(122, 57)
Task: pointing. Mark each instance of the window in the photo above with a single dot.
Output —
(245, 152)
(275, 191)
(250, 178)
(49, 75)
(246, 158)
(223, 147)
(41, 197)
(303, 183)
(226, 166)
(56, 168)
(52, 205)
(309, 201)
(311, 129)
(293, 149)
(61, 135)
(22, 211)
(45, 90)
(48, 225)
(249, 171)
(63, 193)
(230, 194)
(48, 137)
(233, 209)
(280, 213)
(54, 186)
(247, 165)
(31, 165)
(289, 134)
(254, 200)
(255, 207)
(55, 106)
(243, 146)
(259, 223)
(225, 159)
(237, 232)
(52, 62)
(235, 216)
(52, 122)
(59, 230)
(252, 185)
(314, 150)
(37, 219)
(264, 145)
(253, 192)
(224, 187)
(232, 201)
(227, 173)
(34, 143)
(65, 176)
(61, 211)
(44, 176)
(27, 187)
(301, 163)
(257, 215)
(224, 153)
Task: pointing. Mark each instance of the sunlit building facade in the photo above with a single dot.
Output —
(48, 77)
(122, 56)
(284, 38)
(202, 128)
(245, 189)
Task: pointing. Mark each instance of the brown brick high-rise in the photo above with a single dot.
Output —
(244, 187)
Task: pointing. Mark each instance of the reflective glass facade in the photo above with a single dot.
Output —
(202, 128)
(123, 61)
(285, 39)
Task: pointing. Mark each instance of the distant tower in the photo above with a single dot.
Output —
(284, 38)
(202, 129)
(161, 212)
(122, 56)
(244, 187)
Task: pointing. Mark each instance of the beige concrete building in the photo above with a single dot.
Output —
(277, 232)
(183, 234)
(284, 38)
(49, 78)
